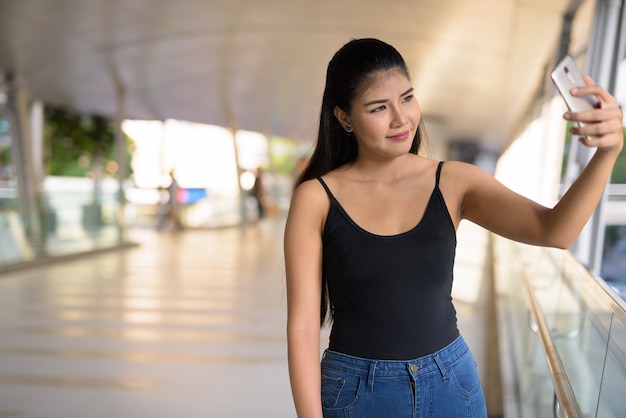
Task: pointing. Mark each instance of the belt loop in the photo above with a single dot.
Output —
(370, 377)
(441, 369)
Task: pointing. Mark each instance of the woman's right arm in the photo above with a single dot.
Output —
(303, 266)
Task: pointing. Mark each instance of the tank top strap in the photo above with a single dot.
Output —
(438, 174)
(330, 195)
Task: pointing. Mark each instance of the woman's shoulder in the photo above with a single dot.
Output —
(309, 186)
(461, 169)
(459, 177)
(310, 191)
(309, 203)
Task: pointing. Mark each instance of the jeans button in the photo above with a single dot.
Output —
(414, 368)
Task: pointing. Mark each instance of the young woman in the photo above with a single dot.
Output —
(371, 234)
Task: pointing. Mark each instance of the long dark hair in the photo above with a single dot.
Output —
(349, 72)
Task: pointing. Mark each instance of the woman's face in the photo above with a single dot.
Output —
(385, 116)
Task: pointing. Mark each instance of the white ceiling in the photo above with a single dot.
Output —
(260, 64)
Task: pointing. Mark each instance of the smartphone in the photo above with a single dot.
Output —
(566, 76)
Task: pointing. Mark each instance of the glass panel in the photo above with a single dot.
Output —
(75, 216)
(582, 344)
(14, 243)
(529, 370)
(586, 326)
(612, 400)
(73, 221)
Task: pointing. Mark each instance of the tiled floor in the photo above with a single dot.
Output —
(185, 325)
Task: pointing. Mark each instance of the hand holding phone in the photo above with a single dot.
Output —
(566, 76)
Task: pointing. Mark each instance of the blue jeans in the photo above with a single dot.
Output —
(443, 384)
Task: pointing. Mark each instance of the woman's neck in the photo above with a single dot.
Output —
(386, 171)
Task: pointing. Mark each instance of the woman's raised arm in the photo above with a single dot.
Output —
(488, 203)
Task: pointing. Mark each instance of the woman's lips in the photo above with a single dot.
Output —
(402, 136)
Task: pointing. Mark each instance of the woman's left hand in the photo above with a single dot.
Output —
(602, 126)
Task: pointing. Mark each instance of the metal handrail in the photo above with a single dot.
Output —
(564, 392)
(600, 288)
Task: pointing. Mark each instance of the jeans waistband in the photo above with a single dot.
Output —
(358, 366)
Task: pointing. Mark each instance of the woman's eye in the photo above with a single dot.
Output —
(378, 109)
(407, 98)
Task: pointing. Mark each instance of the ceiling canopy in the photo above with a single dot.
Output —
(260, 65)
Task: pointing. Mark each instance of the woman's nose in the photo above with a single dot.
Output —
(399, 118)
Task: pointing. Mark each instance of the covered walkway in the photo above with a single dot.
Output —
(192, 323)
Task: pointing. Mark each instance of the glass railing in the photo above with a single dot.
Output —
(564, 333)
(63, 222)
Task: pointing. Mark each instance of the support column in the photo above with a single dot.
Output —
(36, 124)
(29, 200)
(242, 193)
(121, 147)
(228, 68)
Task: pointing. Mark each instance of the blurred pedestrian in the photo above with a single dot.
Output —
(170, 218)
(258, 192)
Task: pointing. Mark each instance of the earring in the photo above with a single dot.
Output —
(348, 127)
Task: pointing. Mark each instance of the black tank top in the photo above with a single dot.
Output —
(391, 295)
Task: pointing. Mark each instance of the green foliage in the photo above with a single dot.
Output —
(75, 141)
(619, 171)
(282, 155)
(566, 149)
(5, 155)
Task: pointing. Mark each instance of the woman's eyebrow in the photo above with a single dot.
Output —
(379, 101)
